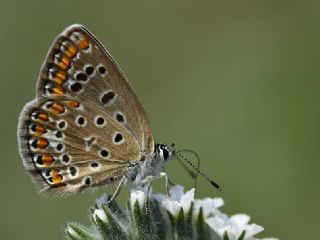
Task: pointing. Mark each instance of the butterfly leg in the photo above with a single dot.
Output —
(117, 191)
(165, 175)
(170, 182)
(147, 182)
(147, 202)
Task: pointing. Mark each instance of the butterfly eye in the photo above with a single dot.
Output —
(165, 154)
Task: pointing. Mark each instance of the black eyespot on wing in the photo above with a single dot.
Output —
(48, 173)
(120, 117)
(108, 97)
(81, 121)
(104, 153)
(73, 171)
(100, 121)
(81, 76)
(89, 70)
(87, 181)
(118, 138)
(102, 70)
(65, 158)
(94, 165)
(59, 146)
(39, 160)
(62, 124)
(59, 134)
(76, 87)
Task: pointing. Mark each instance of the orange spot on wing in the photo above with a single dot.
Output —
(57, 108)
(47, 159)
(58, 90)
(60, 77)
(71, 51)
(73, 104)
(43, 117)
(39, 130)
(84, 43)
(56, 177)
(55, 172)
(64, 63)
(42, 143)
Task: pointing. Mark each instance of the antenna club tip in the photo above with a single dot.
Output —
(215, 185)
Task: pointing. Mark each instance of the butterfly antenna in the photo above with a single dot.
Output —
(213, 183)
(192, 174)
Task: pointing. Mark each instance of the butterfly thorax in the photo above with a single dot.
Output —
(150, 166)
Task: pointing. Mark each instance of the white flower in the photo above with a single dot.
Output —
(138, 195)
(177, 200)
(234, 226)
(209, 206)
(100, 214)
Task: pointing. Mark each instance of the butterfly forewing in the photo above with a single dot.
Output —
(86, 123)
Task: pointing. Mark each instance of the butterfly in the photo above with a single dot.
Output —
(86, 127)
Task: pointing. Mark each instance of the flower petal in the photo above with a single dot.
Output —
(219, 223)
(176, 192)
(252, 229)
(186, 200)
(172, 206)
(138, 195)
(100, 214)
(209, 206)
(240, 219)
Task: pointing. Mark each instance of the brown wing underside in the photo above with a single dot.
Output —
(86, 123)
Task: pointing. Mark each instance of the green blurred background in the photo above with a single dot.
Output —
(236, 81)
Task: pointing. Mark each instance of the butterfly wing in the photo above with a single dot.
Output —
(86, 123)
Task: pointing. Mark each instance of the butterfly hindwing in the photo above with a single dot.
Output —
(86, 123)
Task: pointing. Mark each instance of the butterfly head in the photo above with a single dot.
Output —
(163, 152)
